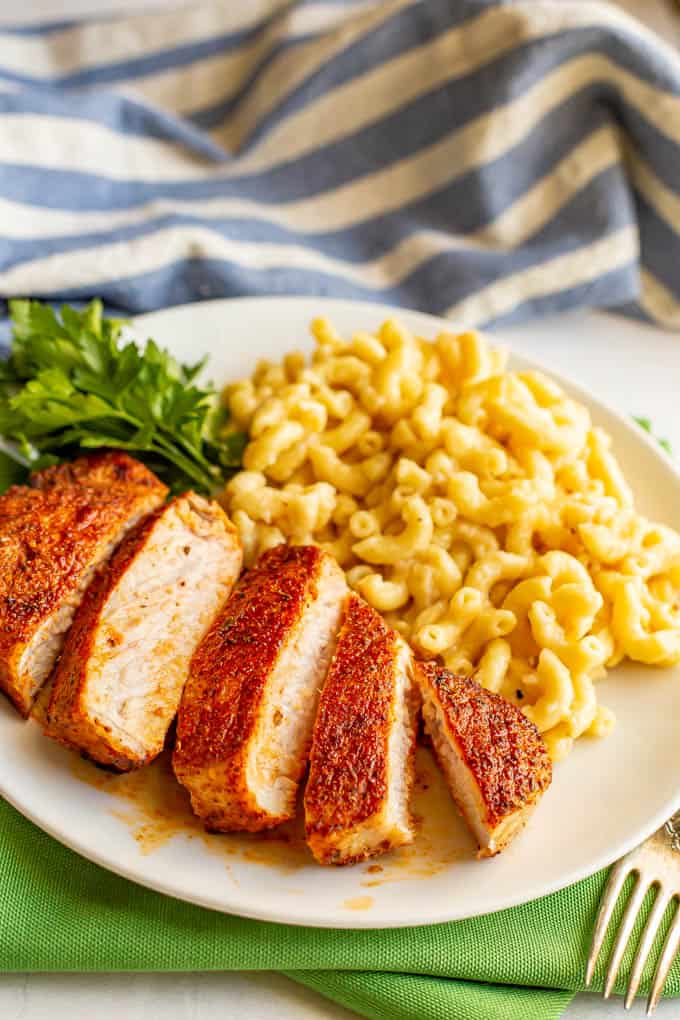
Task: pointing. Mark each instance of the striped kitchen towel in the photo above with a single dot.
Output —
(486, 161)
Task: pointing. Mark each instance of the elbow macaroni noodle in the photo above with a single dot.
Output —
(477, 508)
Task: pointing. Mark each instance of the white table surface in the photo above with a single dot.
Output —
(635, 368)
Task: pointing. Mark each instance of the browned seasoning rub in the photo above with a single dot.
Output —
(361, 769)
(494, 760)
(54, 533)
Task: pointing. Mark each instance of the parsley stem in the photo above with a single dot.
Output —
(12, 451)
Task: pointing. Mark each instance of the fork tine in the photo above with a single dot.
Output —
(609, 897)
(670, 948)
(627, 924)
(646, 942)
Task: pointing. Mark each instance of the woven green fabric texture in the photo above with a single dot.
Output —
(59, 912)
(419, 997)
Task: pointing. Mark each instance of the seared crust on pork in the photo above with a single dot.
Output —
(54, 533)
(361, 767)
(495, 762)
(245, 720)
(118, 684)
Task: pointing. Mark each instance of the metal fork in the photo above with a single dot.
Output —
(655, 864)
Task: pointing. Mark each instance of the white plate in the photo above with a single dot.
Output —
(605, 798)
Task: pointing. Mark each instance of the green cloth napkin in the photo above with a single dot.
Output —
(58, 912)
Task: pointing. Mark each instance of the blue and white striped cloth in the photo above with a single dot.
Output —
(486, 161)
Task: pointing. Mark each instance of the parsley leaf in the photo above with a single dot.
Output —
(646, 425)
(71, 383)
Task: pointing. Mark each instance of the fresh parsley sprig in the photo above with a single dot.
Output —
(71, 383)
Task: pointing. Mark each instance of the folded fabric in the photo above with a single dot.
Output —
(58, 912)
(482, 160)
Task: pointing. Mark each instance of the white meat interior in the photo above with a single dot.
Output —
(152, 622)
(393, 823)
(400, 745)
(463, 787)
(291, 698)
(45, 646)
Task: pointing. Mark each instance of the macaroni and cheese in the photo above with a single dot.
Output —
(477, 508)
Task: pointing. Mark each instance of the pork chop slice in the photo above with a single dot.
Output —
(493, 758)
(362, 760)
(119, 681)
(54, 533)
(245, 721)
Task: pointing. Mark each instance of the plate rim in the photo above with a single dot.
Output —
(300, 917)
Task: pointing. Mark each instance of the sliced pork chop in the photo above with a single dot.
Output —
(494, 761)
(245, 721)
(362, 760)
(119, 681)
(54, 533)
